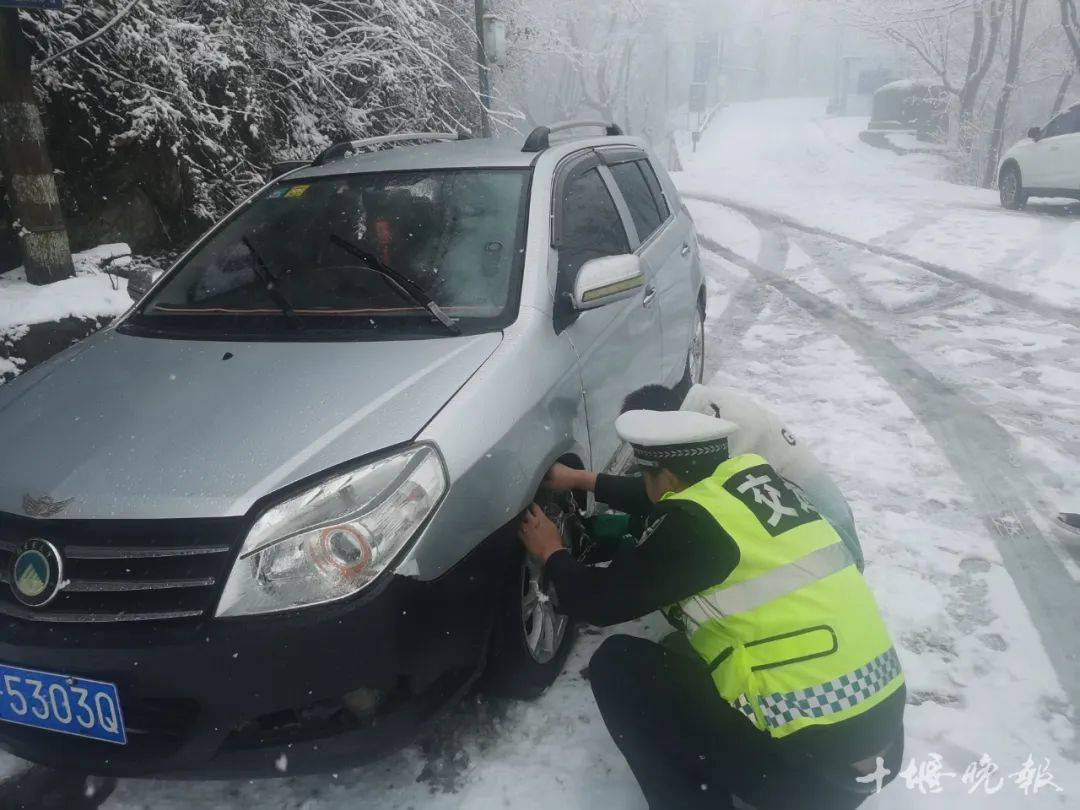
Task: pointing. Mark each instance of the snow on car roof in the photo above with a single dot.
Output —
(907, 84)
(488, 153)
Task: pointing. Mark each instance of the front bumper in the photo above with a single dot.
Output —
(230, 697)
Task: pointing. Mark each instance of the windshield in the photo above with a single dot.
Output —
(281, 265)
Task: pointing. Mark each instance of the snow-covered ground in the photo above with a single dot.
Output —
(946, 406)
(789, 158)
(91, 293)
(948, 413)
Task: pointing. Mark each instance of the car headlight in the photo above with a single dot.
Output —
(335, 538)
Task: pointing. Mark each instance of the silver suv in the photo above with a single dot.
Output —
(272, 509)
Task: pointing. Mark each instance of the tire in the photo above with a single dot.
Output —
(695, 357)
(531, 640)
(1011, 188)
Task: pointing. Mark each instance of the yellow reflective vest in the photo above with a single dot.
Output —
(793, 637)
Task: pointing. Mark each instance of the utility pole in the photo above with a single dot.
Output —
(485, 78)
(24, 160)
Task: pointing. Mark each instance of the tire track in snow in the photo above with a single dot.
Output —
(942, 306)
(1015, 298)
(747, 300)
(902, 233)
(982, 453)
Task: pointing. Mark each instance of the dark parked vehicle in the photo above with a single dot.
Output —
(910, 105)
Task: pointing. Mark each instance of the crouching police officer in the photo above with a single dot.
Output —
(792, 695)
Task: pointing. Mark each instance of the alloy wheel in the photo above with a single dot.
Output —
(1009, 189)
(697, 350)
(543, 625)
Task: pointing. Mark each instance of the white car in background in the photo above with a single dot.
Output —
(1045, 164)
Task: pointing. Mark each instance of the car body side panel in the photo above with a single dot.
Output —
(1049, 167)
(1030, 159)
(521, 412)
(618, 345)
(678, 293)
(682, 278)
(1051, 159)
(1070, 161)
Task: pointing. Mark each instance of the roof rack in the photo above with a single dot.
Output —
(540, 138)
(339, 150)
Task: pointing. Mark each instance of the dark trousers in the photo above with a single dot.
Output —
(689, 749)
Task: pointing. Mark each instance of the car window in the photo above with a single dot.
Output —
(458, 234)
(1056, 127)
(592, 226)
(654, 186)
(639, 198)
(1072, 122)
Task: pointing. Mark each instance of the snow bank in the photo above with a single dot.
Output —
(95, 293)
(91, 293)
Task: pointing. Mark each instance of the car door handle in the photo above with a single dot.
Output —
(650, 294)
(685, 250)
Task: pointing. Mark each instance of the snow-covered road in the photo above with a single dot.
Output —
(944, 395)
(942, 392)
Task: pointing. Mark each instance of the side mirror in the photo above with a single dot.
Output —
(1035, 133)
(140, 281)
(606, 280)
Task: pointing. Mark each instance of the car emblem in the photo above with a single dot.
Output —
(37, 573)
(44, 506)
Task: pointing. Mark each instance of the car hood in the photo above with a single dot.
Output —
(137, 427)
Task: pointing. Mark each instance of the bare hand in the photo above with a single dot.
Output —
(538, 534)
(561, 478)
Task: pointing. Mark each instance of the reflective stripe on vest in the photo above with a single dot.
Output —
(779, 582)
(753, 593)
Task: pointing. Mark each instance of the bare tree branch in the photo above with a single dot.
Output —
(119, 16)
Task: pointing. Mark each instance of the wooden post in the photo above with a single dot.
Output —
(24, 160)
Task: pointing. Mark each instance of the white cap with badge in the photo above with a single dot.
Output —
(678, 440)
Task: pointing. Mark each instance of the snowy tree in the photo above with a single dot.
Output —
(1070, 25)
(1018, 13)
(610, 61)
(956, 40)
(197, 97)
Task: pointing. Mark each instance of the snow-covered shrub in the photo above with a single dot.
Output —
(192, 99)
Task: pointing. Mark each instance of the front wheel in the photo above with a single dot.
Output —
(695, 361)
(1011, 188)
(695, 357)
(532, 638)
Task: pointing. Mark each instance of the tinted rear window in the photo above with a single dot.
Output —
(639, 198)
(654, 186)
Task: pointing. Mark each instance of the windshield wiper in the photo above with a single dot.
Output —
(404, 285)
(270, 282)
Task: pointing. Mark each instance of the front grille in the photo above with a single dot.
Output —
(124, 570)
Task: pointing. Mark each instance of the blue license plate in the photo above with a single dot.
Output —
(61, 703)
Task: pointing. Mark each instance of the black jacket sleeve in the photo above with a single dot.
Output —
(685, 553)
(623, 493)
